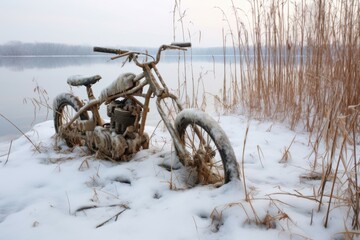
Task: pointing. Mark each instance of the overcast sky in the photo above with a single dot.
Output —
(110, 22)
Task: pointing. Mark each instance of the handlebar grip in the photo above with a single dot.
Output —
(182, 44)
(109, 50)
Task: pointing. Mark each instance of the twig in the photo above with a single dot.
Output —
(84, 208)
(295, 195)
(260, 151)
(355, 222)
(153, 133)
(197, 230)
(68, 200)
(333, 185)
(115, 216)
(242, 168)
(7, 159)
(328, 170)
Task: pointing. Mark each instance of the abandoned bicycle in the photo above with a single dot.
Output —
(200, 143)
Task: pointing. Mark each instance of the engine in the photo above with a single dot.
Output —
(119, 139)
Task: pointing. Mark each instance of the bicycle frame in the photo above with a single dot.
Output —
(157, 88)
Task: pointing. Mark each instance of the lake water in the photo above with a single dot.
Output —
(21, 75)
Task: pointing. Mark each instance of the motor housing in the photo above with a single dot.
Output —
(119, 139)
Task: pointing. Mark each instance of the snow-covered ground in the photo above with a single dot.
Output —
(64, 193)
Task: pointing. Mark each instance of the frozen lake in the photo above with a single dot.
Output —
(21, 75)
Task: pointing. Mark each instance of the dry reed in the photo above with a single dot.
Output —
(298, 61)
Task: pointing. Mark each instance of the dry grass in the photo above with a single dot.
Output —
(298, 62)
(40, 101)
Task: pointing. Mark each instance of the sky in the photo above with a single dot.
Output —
(112, 22)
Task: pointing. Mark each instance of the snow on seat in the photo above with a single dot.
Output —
(78, 80)
(121, 84)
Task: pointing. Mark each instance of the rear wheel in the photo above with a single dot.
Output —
(209, 154)
(65, 107)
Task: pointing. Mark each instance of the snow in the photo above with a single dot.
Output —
(63, 193)
(78, 80)
(122, 83)
(58, 100)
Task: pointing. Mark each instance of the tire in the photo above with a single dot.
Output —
(213, 159)
(65, 106)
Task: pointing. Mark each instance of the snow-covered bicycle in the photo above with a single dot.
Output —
(200, 143)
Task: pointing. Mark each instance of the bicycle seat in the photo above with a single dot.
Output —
(78, 80)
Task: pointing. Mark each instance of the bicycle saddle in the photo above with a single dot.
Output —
(78, 80)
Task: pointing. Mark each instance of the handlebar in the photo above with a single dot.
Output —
(182, 44)
(109, 50)
(133, 55)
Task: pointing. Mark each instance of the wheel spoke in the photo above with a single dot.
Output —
(204, 154)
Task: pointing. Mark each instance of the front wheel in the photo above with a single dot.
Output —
(65, 107)
(209, 153)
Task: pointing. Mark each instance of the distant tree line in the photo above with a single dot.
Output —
(16, 48)
(27, 49)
